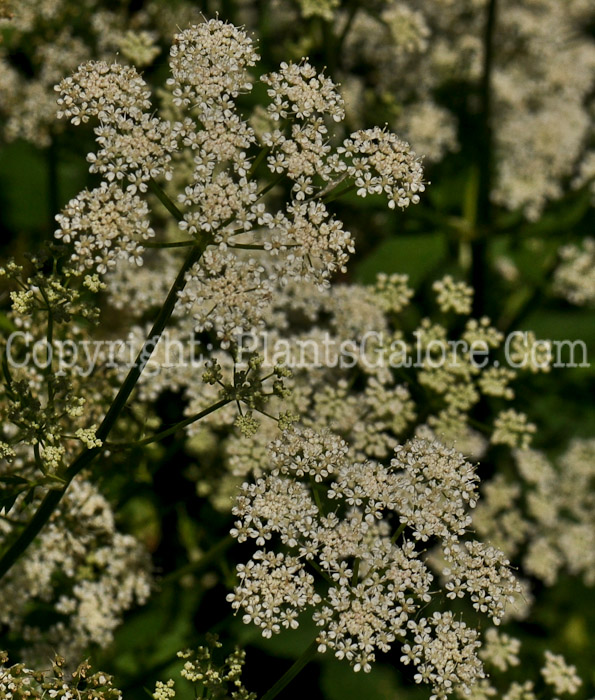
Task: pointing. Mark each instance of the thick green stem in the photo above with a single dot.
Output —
(348, 24)
(484, 164)
(292, 672)
(53, 497)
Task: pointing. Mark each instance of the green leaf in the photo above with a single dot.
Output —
(413, 255)
(13, 479)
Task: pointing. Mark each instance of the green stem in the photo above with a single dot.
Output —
(150, 342)
(52, 175)
(321, 571)
(292, 672)
(207, 558)
(484, 164)
(257, 161)
(37, 456)
(53, 497)
(49, 350)
(173, 244)
(335, 195)
(317, 497)
(512, 318)
(165, 200)
(346, 28)
(355, 574)
(269, 187)
(399, 531)
(257, 246)
(169, 431)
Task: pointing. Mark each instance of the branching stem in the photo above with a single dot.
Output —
(85, 458)
(168, 431)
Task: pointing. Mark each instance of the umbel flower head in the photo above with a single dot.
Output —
(410, 52)
(361, 528)
(218, 170)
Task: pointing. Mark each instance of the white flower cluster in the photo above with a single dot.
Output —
(555, 524)
(368, 403)
(453, 296)
(392, 292)
(203, 135)
(371, 420)
(227, 293)
(134, 146)
(415, 50)
(407, 27)
(437, 489)
(574, 278)
(18, 681)
(139, 47)
(312, 455)
(211, 679)
(512, 428)
(45, 415)
(482, 572)
(315, 243)
(500, 649)
(559, 674)
(381, 163)
(319, 8)
(335, 518)
(444, 652)
(209, 64)
(81, 565)
(527, 351)
(298, 91)
(42, 32)
(104, 225)
(432, 128)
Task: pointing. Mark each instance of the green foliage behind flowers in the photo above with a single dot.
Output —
(311, 179)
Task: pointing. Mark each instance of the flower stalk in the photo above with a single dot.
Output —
(85, 458)
(307, 656)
